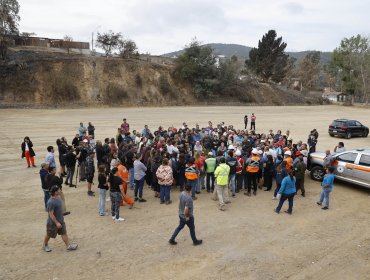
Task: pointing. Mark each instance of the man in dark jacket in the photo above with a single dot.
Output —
(44, 171)
(52, 180)
(70, 160)
(89, 171)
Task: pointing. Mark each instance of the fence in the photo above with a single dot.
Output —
(49, 43)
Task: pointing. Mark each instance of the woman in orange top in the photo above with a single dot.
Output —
(123, 174)
(288, 159)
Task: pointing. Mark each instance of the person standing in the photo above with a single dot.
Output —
(139, 176)
(70, 160)
(210, 167)
(50, 157)
(186, 215)
(53, 180)
(129, 162)
(116, 194)
(89, 171)
(55, 222)
(327, 186)
(44, 171)
(222, 179)
(192, 175)
(165, 179)
(253, 122)
(232, 162)
(245, 121)
(81, 131)
(91, 130)
(287, 191)
(103, 187)
(62, 150)
(239, 171)
(125, 127)
(28, 152)
(300, 170)
(252, 167)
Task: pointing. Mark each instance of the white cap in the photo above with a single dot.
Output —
(254, 151)
(85, 141)
(231, 147)
(238, 153)
(288, 153)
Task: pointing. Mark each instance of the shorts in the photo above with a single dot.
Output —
(52, 230)
(90, 178)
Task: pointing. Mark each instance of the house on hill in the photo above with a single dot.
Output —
(334, 96)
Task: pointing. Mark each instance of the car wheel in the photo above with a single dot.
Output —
(348, 135)
(331, 134)
(366, 133)
(317, 173)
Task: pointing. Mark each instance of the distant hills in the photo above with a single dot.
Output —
(242, 52)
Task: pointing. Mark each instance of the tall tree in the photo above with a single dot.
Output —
(197, 66)
(309, 69)
(352, 59)
(66, 40)
(9, 20)
(108, 41)
(269, 61)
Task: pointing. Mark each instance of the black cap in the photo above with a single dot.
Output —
(54, 189)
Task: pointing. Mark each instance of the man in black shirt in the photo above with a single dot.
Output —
(70, 160)
(129, 160)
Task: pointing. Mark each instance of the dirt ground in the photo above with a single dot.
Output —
(247, 241)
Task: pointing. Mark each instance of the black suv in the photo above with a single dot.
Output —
(347, 128)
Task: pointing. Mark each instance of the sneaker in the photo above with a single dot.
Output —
(34, 165)
(102, 214)
(142, 200)
(198, 242)
(66, 213)
(274, 198)
(119, 219)
(90, 193)
(254, 193)
(72, 247)
(46, 248)
(168, 202)
(325, 208)
(136, 199)
(197, 192)
(194, 198)
(65, 183)
(172, 242)
(203, 188)
(107, 199)
(276, 211)
(319, 203)
(303, 195)
(72, 186)
(233, 195)
(286, 211)
(113, 218)
(161, 202)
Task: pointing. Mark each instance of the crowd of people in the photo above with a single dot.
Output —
(217, 159)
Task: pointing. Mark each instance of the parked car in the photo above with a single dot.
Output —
(348, 128)
(351, 166)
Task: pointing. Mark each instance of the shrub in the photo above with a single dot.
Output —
(114, 94)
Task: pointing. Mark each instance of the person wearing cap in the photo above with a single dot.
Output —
(222, 179)
(252, 167)
(55, 223)
(210, 167)
(89, 171)
(299, 171)
(289, 160)
(287, 191)
(186, 215)
(44, 171)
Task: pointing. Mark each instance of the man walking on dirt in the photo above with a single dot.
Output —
(186, 216)
(55, 223)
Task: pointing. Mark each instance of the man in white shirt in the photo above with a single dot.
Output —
(339, 148)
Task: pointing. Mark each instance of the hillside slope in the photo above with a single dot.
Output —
(52, 79)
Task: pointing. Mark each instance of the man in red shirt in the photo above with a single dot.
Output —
(253, 122)
(125, 127)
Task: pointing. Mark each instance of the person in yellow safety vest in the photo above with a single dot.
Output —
(252, 168)
(222, 179)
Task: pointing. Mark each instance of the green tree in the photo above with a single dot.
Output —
(352, 60)
(66, 40)
(227, 76)
(9, 20)
(197, 66)
(108, 41)
(269, 61)
(309, 69)
(127, 49)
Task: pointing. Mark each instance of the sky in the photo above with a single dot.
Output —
(162, 26)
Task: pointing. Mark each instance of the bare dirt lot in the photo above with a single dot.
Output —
(247, 241)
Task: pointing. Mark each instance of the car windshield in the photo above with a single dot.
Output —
(337, 123)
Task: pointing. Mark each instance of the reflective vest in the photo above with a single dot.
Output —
(253, 165)
(211, 165)
(191, 172)
(222, 174)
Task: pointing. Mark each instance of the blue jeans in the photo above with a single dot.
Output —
(284, 197)
(210, 178)
(232, 181)
(115, 198)
(102, 195)
(165, 192)
(198, 185)
(139, 185)
(193, 184)
(46, 198)
(191, 226)
(325, 194)
(131, 178)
